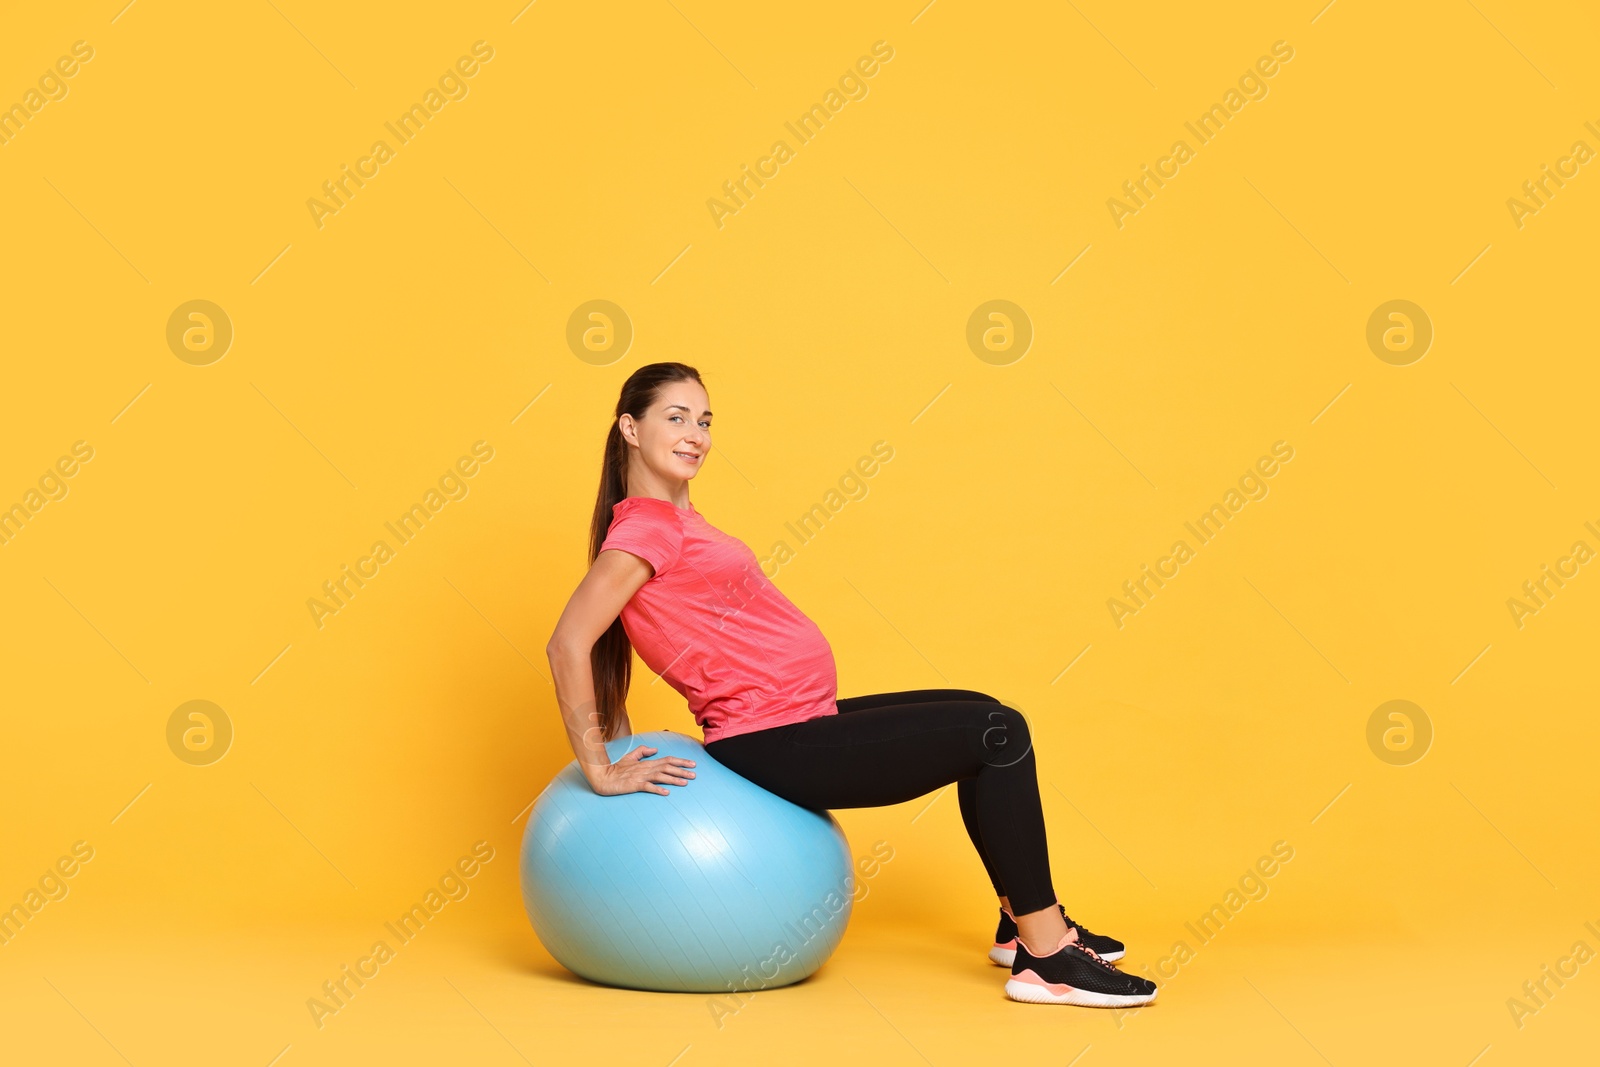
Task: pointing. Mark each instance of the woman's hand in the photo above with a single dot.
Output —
(635, 774)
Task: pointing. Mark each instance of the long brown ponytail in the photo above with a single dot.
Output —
(612, 655)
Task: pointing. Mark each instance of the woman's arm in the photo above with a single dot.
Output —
(595, 605)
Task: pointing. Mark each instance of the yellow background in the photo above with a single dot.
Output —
(828, 314)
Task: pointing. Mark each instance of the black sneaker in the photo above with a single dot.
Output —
(1005, 940)
(1074, 974)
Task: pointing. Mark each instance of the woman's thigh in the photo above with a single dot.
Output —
(909, 696)
(876, 756)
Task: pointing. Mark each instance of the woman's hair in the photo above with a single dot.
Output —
(612, 655)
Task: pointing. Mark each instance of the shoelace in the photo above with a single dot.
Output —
(1083, 931)
(1093, 955)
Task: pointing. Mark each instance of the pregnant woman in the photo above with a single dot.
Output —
(759, 677)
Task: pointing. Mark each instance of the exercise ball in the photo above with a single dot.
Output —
(718, 886)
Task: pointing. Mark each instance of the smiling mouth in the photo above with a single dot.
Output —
(692, 457)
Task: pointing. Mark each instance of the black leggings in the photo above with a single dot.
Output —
(892, 747)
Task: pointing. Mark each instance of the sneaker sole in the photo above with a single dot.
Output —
(1029, 993)
(1005, 957)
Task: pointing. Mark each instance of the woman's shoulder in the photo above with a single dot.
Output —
(649, 513)
(647, 527)
(649, 505)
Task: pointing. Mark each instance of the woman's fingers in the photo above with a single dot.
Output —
(650, 775)
(667, 775)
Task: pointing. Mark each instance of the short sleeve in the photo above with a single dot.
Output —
(653, 533)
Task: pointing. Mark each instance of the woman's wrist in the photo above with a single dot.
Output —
(593, 773)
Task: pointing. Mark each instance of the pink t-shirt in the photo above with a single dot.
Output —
(711, 623)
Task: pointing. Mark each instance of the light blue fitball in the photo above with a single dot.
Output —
(718, 886)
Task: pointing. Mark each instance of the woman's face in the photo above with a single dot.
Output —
(674, 435)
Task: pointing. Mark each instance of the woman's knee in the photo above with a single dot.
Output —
(1006, 739)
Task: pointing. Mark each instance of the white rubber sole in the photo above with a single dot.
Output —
(1028, 993)
(1005, 957)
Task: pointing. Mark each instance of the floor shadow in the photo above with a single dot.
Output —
(524, 958)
